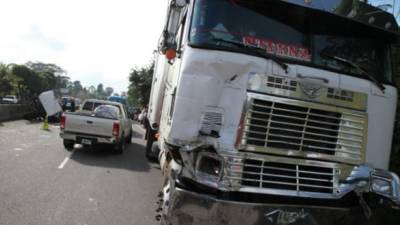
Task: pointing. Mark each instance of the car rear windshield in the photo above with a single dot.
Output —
(91, 106)
(106, 111)
(88, 106)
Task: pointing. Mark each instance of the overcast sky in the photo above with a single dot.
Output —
(96, 41)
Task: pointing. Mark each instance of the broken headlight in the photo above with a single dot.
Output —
(386, 184)
(381, 186)
(209, 167)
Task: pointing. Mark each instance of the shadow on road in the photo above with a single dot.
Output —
(132, 159)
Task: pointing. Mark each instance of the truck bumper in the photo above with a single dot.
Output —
(78, 137)
(190, 208)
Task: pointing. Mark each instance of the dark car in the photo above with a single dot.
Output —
(68, 104)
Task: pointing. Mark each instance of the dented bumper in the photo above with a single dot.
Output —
(190, 208)
(193, 208)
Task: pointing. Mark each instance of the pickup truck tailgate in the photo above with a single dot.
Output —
(86, 124)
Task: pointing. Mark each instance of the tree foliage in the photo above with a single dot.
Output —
(109, 91)
(100, 90)
(140, 85)
(30, 79)
(8, 81)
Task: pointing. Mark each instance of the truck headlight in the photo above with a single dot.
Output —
(209, 169)
(386, 184)
(381, 186)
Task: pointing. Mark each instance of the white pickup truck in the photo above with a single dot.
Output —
(97, 122)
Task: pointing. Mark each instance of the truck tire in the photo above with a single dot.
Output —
(150, 141)
(119, 148)
(152, 154)
(68, 144)
(164, 198)
(129, 138)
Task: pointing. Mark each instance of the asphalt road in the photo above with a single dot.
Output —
(43, 184)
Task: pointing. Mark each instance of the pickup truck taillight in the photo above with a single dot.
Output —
(62, 122)
(115, 131)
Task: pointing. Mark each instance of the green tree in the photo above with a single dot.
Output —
(8, 81)
(76, 87)
(46, 67)
(31, 79)
(52, 76)
(140, 85)
(91, 89)
(31, 83)
(100, 91)
(109, 91)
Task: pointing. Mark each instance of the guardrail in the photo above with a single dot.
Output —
(12, 111)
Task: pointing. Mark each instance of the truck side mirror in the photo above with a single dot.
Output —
(179, 3)
(168, 44)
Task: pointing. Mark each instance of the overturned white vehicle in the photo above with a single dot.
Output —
(275, 112)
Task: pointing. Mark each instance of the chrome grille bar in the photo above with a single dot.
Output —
(279, 125)
(285, 176)
(316, 134)
(299, 118)
(317, 128)
(294, 111)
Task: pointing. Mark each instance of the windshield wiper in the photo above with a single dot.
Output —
(357, 67)
(255, 50)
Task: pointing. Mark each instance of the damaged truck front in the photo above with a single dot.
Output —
(274, 112)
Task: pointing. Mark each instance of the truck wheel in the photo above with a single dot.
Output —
(68, 144)
(129, 138)
(164, 198)
(152, 154)
(149, 144)
(120, 147)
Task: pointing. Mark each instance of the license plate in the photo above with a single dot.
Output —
(86, 141)
(68, 104)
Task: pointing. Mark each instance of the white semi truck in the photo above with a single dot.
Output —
(275, 112)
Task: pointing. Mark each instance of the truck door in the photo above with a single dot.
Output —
(172, 71)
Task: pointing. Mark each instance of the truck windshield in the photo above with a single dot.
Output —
(290, 34)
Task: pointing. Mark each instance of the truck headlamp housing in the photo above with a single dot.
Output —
(386, 184)
(209, 169)
(381, 186)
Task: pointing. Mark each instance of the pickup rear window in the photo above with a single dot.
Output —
(91, 106)
(106, 111)
(88, 106)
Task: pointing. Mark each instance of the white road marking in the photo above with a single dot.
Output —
(18, 149)
(66, 160)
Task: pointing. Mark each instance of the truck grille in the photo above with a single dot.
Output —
(282, 126)
(282, 176)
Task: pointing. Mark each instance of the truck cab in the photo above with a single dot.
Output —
(274, 112)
